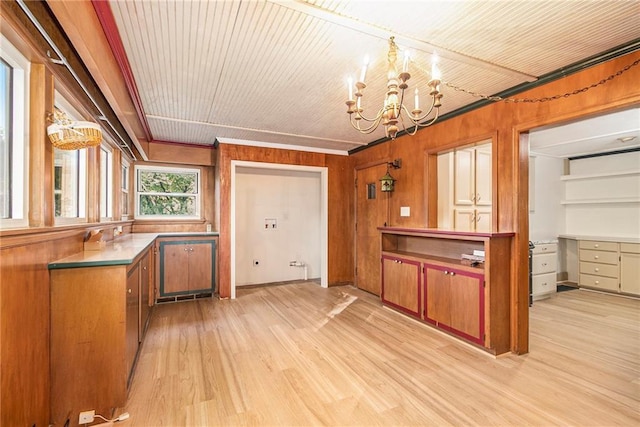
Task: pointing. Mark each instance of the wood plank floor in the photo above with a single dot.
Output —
(299, 355)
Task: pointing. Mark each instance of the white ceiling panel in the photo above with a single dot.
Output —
(276, 70)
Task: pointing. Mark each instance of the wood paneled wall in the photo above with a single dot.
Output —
(340, 207)
(416, 186)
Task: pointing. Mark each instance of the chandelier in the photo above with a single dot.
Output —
(67, 134)
(394, 111)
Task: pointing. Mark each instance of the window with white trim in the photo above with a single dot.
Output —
(106, 182)
(124, 188)
(14, 136)
(167, 193)
(69, 176)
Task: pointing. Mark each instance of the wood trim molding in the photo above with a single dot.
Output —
(107, 20)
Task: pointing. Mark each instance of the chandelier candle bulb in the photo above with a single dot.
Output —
(405, 64)
(364, 68)
(416, 100)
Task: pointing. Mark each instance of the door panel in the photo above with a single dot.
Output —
(465, 304)
(176, 272)
(371, 213)
(402, 284)
(200, 266)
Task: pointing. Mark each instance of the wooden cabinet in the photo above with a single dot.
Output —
(472, 196)
(146, 287)
(424, 276)
(544, 266)
(95, 333)
(187, 267)
(454, 300)
(630, 268)
(401, 284)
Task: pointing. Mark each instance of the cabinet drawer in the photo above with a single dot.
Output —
(545, 248)
(597, 269)
(607, 283)
(544, 283)
(632, 248)
(544, 263)
(600, 246)
(599, 256)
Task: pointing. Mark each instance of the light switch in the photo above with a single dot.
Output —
(405, 211)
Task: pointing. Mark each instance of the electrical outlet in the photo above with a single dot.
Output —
(86, 417)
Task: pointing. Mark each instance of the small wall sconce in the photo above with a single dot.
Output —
(387, 182)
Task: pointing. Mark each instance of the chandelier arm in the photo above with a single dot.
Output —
(404, 128)
(367, 130)
(376, 118)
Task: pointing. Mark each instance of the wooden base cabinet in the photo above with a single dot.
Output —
(401, 284)
(424, 276)
(186, 266)
(454, 301)
(96, 318)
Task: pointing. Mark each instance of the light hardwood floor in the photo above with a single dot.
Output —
(299, 355)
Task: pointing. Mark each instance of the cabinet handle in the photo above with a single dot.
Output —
(597, 282)
(596, 245)
(544, 264)
(596, 270)
(544, 248)
(190, 249)
(478, 218)
(477, 197)
(452, 273)
(446, 272)
(129, 290)
(595, 257)
(473, 197)
(186, 249)
(144, 268)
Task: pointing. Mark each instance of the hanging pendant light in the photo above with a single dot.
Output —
(67, 134)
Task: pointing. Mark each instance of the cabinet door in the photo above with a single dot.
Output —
(401, 287)
(145, 283)
(630, 273)
(464, 219)
(201, 266)
(174, 268)
(483, 220)
(132, 316)
(437, 295)
(466, 296)
(483, 176)
(464, 167)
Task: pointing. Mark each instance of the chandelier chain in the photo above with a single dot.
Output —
(546, 98)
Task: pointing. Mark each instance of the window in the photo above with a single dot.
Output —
(14, 107)
(106, 183)
(69, 176)
(167, 193)
(69, 186)
(124, 189)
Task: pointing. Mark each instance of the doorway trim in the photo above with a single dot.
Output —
(324, 212)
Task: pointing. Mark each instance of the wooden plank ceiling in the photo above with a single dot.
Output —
(275, 71)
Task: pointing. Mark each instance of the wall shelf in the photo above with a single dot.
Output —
(601, 201)
(599, 175)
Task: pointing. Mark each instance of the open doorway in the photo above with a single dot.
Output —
(268, 219)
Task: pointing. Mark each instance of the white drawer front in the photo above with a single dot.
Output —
(600, 282)
(632, 248)
(599, 256)
(544, 263)
(599, 246)
(544, 283)
(599, 269)
(545, 248)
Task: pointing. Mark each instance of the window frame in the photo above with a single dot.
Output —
(125, 188)
(83, 164)
(168, 169)
(19, 143)
(109, 190)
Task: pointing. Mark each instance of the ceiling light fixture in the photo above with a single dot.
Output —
(67, 134)
(393, 111)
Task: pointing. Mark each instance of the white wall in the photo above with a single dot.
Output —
(546, 214)
(293, 200)
(618, 218)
